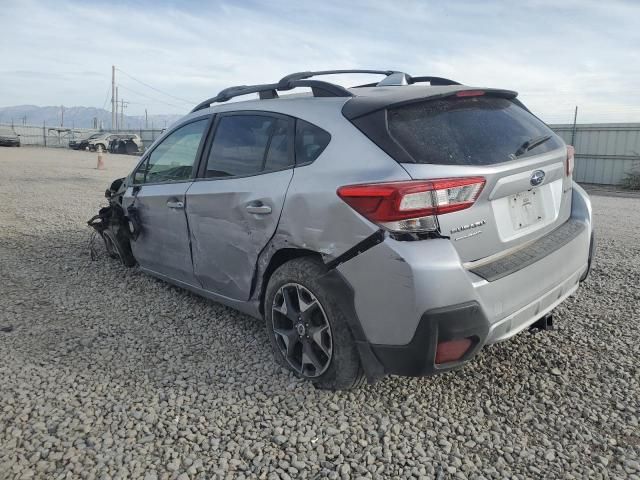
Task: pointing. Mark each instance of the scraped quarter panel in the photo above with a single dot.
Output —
(314, 217)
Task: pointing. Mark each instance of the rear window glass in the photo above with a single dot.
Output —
(468, 131)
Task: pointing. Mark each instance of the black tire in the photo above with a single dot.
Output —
(343, 370)
(118, 247)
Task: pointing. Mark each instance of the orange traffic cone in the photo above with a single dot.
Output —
(100, 159)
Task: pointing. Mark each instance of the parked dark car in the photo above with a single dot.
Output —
(105, 141)
(9, 138)
(82, 143)
(129, 144)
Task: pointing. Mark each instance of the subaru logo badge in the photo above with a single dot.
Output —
(537, 178)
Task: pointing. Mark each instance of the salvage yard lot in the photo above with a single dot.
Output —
(109, 373)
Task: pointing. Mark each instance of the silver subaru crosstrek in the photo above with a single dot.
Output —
(391, 228)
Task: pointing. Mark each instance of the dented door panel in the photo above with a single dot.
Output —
(231, 221)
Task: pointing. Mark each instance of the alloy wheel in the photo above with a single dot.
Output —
(302, 330)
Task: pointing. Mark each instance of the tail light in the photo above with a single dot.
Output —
(470, 93)
(411, 206)
(571, 152)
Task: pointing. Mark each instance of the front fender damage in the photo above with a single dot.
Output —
(112, 225)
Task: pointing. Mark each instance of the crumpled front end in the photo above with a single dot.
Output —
(113, 226)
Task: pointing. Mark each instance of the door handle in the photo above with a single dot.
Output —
(175, 204)
(259, 209)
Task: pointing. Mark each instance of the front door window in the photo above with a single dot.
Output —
(173, 159)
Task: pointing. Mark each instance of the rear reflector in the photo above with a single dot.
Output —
(571, 152)
(470, 93)
(452, 350)
(411, 206)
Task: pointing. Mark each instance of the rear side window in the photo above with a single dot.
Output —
(248, 145)
(467, 131)
(310, 142)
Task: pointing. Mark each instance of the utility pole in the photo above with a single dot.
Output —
(121, 113)
(146, 120)
(116, 110)
(573, 132)
(62, 115)
(113, 97)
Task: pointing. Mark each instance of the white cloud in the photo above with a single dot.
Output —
(556, 55)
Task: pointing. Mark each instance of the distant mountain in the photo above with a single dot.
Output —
(78, 117)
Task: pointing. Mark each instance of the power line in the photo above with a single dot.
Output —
(154, 88)
(149, 97)
(106, 97)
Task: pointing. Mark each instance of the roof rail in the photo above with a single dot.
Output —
(318, 87)
(267, 90)
(433, 80)
(270, 90)
(304, 75)
(397, 79)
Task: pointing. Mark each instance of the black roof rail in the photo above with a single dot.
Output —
(318, 87)
(270, 90)
(304, 75)
(433, 80)
(267, 90)
(411, 80)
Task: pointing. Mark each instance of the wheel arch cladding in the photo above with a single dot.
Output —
(272, 262)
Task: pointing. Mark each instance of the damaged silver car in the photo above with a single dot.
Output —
(391, 228)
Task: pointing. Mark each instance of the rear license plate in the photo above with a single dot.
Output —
(526, 208)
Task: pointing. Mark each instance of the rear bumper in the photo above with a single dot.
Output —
(423, 295)
(418, 357)
(525, 316)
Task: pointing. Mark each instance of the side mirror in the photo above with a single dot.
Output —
(138, 177)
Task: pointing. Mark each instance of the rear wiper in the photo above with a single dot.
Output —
(531, 144)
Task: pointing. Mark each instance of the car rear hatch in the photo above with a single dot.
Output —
(521, 166)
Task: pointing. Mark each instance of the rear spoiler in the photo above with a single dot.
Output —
(368, 114)
(360, 106)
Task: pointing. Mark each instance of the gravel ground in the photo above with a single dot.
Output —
(107, 373)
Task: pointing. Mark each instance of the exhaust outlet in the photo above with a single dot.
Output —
(545, 323)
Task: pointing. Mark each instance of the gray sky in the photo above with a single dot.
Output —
(557, 54)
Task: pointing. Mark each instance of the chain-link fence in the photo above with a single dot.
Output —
(605, 153)
(55, 136)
